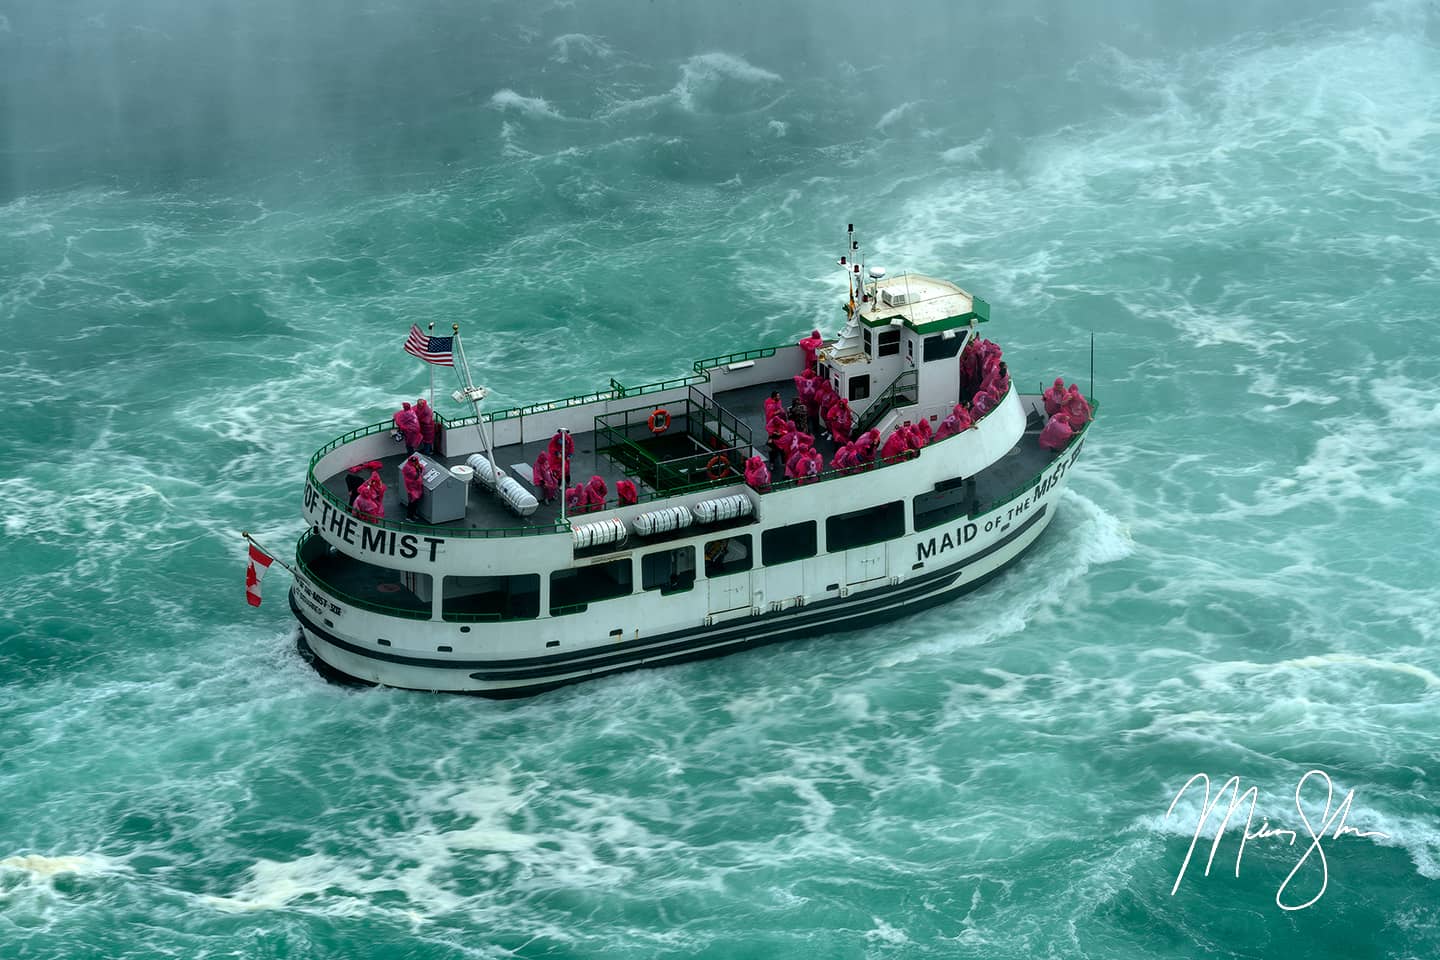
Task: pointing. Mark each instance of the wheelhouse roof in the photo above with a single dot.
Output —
(924, 304)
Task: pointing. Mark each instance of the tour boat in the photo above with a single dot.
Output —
(494, 589)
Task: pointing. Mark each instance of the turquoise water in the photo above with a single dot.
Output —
(216, 227)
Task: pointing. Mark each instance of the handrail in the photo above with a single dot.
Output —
(462, 533)
(877, 463)
(406, 613)
(1014, 492)
(759, 353)
(883, 404)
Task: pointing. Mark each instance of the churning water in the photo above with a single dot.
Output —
(217, 223)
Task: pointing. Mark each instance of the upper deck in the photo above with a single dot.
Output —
(717, 411)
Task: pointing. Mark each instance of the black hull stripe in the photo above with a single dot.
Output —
(812, 617)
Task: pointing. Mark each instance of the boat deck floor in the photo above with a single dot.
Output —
(484, 511)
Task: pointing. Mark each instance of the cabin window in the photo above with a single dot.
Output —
(863, 527)
(728, 555)
(860, 387)
(571, 590)
(868, 348)
(941, 506)
(784, 544)
(491, 598)
(889, 342)
(669, 571)
(939, 348)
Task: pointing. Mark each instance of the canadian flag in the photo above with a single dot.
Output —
(259, 563)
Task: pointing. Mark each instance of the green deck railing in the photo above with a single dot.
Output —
(361, 603)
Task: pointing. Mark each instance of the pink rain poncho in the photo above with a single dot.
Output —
(378, 485)
(811, 347)
(923, 432)
(410, 475)
(958, 422)
(757, 474)
(365, 506)
(409, 426)
(595, 493)
(1057, 432)
(562, 466)
(547, 476)
(810, 466)
(426, 416)
(840, 420)
(984, 402)
(865, 447)
(845, 459)
(625, 490)
(897, 446)
(773, 406)
(1077, 408)
(576, 499)
(1054, 397)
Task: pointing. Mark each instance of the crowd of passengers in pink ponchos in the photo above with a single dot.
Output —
(983, 376)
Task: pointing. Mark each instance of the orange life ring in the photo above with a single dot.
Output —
(717, 467)
(659, 421)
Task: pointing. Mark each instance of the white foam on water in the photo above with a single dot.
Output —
(1041, 578)
(43, 868)
(509, 100)
(894, 114)
(701, 77)
(572, 46)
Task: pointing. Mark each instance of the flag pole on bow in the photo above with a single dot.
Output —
(259, 562)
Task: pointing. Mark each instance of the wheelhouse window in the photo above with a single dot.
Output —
(868, 347)
(940, 348)
(669, 571)
(789, 543)
(491, 598)
(728, 555)
(860, 387)
(941, 506)
(572, 590)
(863, 527)
(889, 342)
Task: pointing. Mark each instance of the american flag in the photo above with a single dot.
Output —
(430, 349)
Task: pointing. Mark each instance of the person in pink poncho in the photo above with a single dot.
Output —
(547, 476)
(378, 487)
(773, 406)
(426, 417)
(845, 460)
(410, 475)
(1057, 432)
(409, 426)
(896, 446)
(1077, 408)
(984, 402)
(365, 506)
(811, 347)
(626, 492)
(808, 465)
(1054, 397)
(865, 447)
(923, 432)
(595, 493)
(840, 420)
(562, 465)
(757, 475)
(576, 499)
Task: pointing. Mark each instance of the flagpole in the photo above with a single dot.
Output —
(432, 371)
(470, 392)
(268, 553)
